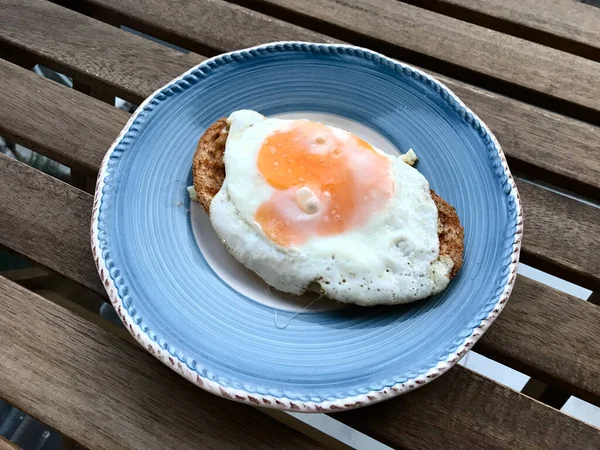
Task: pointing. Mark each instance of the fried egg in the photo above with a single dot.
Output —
(304, 204)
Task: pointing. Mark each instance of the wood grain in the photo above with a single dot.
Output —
(529, 134)
(453, 47)
(47, 221)
(567, 247)
(563, 24)
(33, 109)
(540, 419)
(203, 26)
(534, 310)
(157, 408)
(541, 144)
(545, 145)
(439, 414)
(549, 335)
(561, 223)
(5, 444)
(107, 393)
(99, 54)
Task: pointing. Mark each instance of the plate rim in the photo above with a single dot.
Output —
(179, 364)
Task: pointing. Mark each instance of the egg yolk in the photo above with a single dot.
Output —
(326, 182)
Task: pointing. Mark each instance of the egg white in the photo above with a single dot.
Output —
(392, 258)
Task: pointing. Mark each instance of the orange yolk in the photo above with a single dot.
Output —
(347, 178)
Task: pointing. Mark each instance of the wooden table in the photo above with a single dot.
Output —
(529, 68)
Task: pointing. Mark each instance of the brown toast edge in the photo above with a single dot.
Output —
(208, 170)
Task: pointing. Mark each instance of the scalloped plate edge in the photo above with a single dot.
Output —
(284, 403)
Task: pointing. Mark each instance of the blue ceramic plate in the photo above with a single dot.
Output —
(201, 313)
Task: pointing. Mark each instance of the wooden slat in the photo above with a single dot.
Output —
(43, 219)
(438, 415)
(590, 441)
(213, 26)
(530, 136)
(544, 145)
(549, 335)
(509, 64)
(528, 317)
(569, 227)
(468, 394)
(105, 392)
(32, 112)
(573, 256)
(5, 444)
(563, 24)
(69, 42)
(534, 311)
(203, 26)
(529, 205)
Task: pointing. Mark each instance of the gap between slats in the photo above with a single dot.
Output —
(559, 82)
(106, 393)
(485, 351)
(538, 258)
(519, 69)
(530, 135)
(5, 444)
(61, 243)
(565, 25)
(86, 305)
(71, 378)
(47, 182)
(575, 256)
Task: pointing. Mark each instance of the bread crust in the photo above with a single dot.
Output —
(208, 167)
(450, 233)
(208, 170)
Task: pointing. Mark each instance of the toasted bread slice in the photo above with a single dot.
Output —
(450, 233)
(208, 170)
